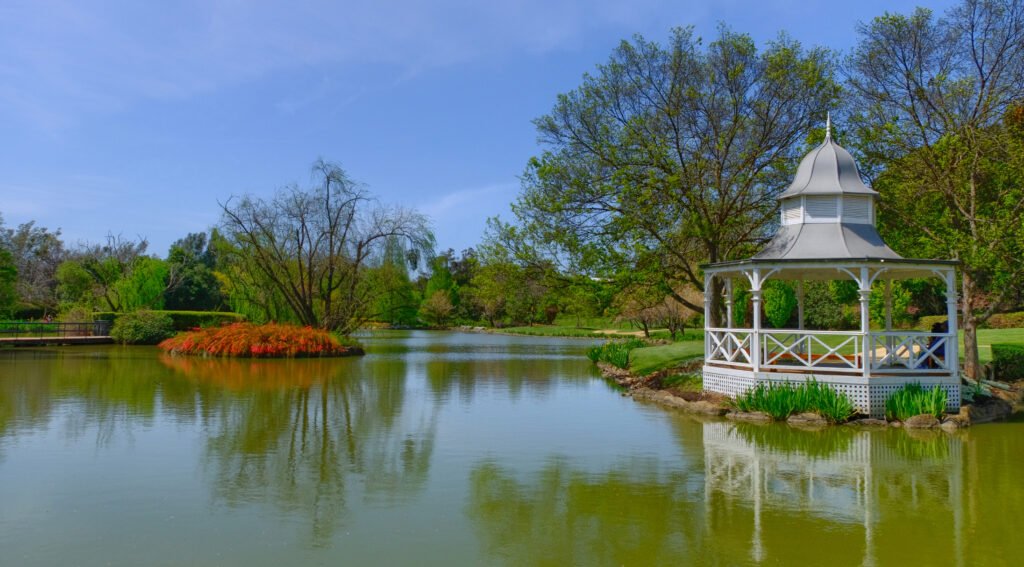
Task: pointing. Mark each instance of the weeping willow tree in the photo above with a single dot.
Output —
(304, 253)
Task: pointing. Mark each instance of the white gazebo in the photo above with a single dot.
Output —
(827, 232)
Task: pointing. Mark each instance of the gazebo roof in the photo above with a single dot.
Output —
(828, 170)
(827, 226)
(829, 240)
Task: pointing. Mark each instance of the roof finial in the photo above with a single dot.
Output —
(828, 125)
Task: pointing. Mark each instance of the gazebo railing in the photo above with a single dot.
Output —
(729, 345)
(824, 350)
(889, 352)
(907, 351)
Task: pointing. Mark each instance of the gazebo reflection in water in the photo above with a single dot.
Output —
(827, 233)
(859, 486)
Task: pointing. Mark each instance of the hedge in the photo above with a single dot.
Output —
(1013, 320)
(142, 328)
(1008, 361)
(925, 323)
(184, 320)
(1005, 321)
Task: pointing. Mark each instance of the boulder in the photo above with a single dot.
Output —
(870, 422)
(923, 421)
(755, 416)
(807, 419)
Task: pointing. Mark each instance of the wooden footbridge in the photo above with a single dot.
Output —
(63, 333)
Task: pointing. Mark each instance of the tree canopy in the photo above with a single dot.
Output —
(670, 156)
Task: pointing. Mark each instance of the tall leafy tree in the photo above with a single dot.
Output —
(936, 103)
(672, 155)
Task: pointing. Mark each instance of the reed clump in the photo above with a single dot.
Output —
(783, 399)
(913, 399)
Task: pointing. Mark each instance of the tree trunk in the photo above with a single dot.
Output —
(717, 310)
(972, 366)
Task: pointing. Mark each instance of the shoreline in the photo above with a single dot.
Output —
(646, 388)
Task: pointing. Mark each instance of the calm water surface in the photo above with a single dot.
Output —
(461, 449)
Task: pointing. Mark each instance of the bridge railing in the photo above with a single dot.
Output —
(38, 329)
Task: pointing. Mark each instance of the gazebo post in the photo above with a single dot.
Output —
(728, 303)
(755, 336)
(888, 315)
(800, 304)
(865, 319)
(707, 313)
(952, 342)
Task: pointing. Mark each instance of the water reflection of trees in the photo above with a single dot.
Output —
(301, 432)
(89, 388)
(635, 513)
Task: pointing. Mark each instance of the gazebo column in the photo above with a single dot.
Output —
(728, 304)
(800, 304)
(707, 314)
(952, 342)
(865, 320)
(755, 335)
(889, 341)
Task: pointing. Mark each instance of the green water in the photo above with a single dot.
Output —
(461, 449)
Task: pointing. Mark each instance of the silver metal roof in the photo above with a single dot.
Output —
(828, 170)
(826, 241)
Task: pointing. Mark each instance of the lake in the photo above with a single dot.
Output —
(461, 449)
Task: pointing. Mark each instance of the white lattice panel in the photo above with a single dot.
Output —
(868, 396)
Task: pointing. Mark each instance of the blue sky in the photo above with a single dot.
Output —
(137, 117)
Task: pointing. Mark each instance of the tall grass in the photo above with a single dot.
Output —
(913, 399)
(783, 399)
(615, 353)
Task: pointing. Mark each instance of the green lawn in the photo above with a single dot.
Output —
(988, 336)
(643, 361)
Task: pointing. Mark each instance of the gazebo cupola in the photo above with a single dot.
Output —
(828, 211)
(827, 232)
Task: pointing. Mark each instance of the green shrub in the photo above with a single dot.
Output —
(1005, 321)
(615, 353)
(783, 399)
(779, 303)
(1008, 361)
(913, 399)
(142, 328)
(184, 320)
(927, 322)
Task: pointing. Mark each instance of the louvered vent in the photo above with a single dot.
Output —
(857, 210)
(791, 211)
(821, 208)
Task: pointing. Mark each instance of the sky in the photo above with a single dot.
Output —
(137, 118)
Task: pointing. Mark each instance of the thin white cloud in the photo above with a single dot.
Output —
(468, 202)
(64, 58)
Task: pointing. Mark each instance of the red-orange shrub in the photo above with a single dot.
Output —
(258, 341)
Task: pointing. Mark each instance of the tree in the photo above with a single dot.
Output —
(191, 262)
(36, 253)
(672, 156)
(8, 278)
(397, 300)
(437, 309)
(94, 275)
(311, 246)
(934, 113)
